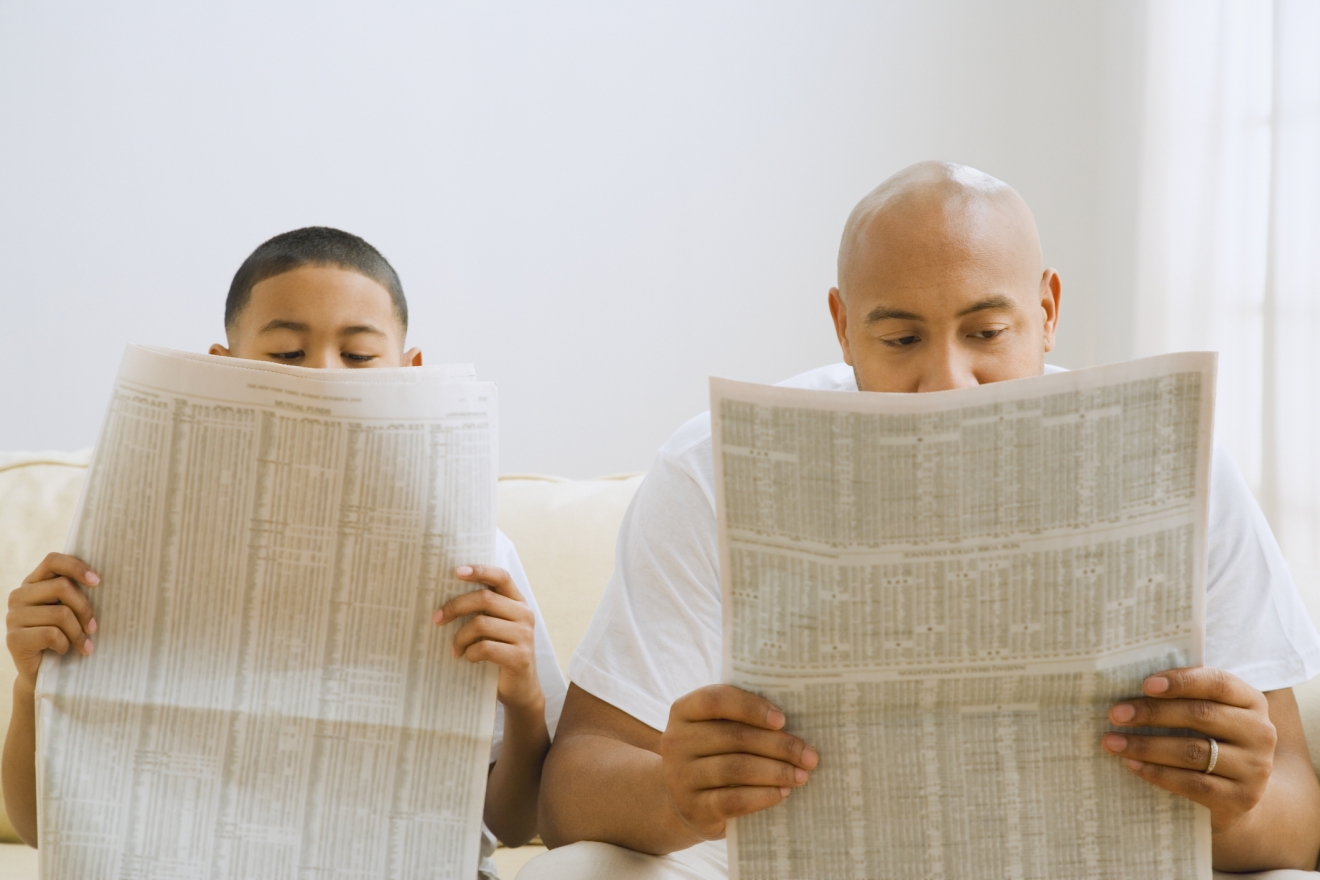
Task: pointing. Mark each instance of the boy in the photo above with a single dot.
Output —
(322, 298)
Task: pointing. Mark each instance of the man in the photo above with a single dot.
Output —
(941, 286)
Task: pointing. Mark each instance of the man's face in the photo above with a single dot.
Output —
(323, 317)
(944, 302)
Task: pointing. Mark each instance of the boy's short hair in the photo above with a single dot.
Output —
(313, 246)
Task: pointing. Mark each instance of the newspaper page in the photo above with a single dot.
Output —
(945, 593)
(268, 696)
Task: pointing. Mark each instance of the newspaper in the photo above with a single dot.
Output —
(945, 593)
(268, 696)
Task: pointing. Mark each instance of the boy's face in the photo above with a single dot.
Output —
(323, 317)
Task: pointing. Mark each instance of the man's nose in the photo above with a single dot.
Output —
(945, 370)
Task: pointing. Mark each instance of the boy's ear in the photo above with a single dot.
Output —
(219, 350)
(411, 358)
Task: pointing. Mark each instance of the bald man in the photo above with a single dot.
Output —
(941, 285)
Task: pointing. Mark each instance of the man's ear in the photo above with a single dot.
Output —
(412, 358)
(839, 312)
(1050, 288)
(219, 351)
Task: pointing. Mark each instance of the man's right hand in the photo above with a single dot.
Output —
(725, 755)
(50, 612)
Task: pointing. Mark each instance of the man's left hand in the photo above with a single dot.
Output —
(1215, 704)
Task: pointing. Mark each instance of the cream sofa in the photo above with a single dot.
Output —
(564, 531)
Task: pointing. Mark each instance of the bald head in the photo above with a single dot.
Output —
(941, 264)
(938, 211)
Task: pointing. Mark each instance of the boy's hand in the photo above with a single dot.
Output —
(725, 755)
(49, 612)
(502, 632)
(1215, 704)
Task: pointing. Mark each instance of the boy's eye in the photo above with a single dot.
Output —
(286, 355)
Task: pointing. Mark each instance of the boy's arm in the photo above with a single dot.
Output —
(502, 631)
(20, 764)
(515, 781)
(48, 612)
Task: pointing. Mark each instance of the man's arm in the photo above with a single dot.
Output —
(1263, 796)
(611, 778)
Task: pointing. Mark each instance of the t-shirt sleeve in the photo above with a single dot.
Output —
(547, 666)
(656, 634)
(1256, 625)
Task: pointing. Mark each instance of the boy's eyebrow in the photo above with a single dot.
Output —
(279, 324)
(361, 328)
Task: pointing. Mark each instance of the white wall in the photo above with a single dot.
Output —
(599, 204)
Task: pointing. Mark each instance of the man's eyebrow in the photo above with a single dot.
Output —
(880, 313)
(994, 302)
(279, 324)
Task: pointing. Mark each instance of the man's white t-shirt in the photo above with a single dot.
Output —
(547, 670)
(657, 632)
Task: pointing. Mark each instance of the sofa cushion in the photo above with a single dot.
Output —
(564, 531)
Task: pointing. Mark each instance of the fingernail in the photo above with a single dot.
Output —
(91, 625)
(87, 646)
(801, 775)
(453, 651)
(785, 791)
(438, 616)
(1114, 743)
(775, 718)
(463, 571)
(1133, 765)
(810, 758)
(92, 579)
(1157, 685)
(1123, 713)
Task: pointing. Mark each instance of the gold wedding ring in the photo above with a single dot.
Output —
(1214, 755)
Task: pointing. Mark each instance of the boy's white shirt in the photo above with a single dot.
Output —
(547, 670)
(656, 634)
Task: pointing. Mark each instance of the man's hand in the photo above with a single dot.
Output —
(725, 755)
(50, 612)
(502, 631)
(1215, 704)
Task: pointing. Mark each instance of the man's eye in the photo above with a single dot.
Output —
(359, 358)
(902, 341)
(988, 334)
(286, 355)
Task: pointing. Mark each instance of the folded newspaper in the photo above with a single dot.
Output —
(268, 697)
(945, 593)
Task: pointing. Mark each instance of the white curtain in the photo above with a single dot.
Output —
(1228, 251)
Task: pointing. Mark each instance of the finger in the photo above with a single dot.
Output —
(1224, 723)
(31, 641)
(734, 737)
(1204, 788)
(505, 656)
(492, 629)
(62, 565)
(726, 702)
(721, 771)
(497, 579)
(483, 602)
(1203, 683)
(56, 591)
(1182, 752)
(59, 617)
(730, 803)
